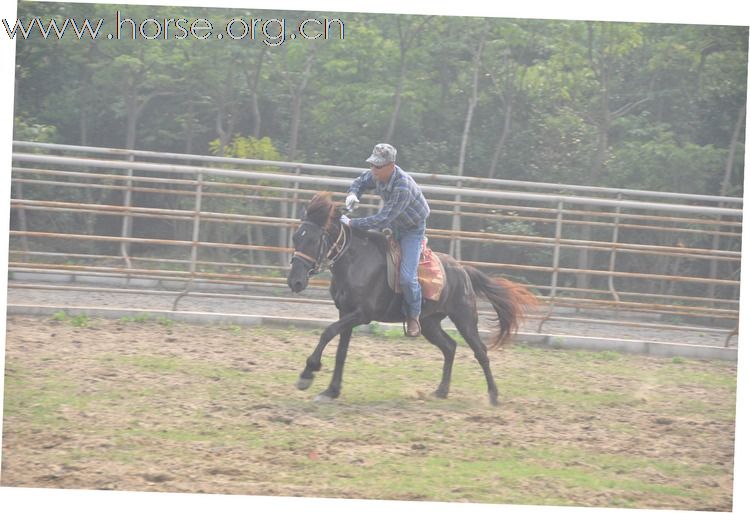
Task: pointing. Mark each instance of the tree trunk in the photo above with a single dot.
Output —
(253, 83)
(455, 246)
(405, 43)
(713, 270)
(503, 138)
(131, 122)
(603, 123)
(583, 281)
(224, 120)
(224, 126)
(189, 133)
(388, 136)
(134, 108)
(83, 123)
(297, 97)
(507, 93)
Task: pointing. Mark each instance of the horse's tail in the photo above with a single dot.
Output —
(510, 300)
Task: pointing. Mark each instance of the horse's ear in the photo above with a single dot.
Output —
(303, 213)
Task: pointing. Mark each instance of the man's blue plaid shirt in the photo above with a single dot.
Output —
(404, 205)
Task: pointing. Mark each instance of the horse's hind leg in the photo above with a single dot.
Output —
(434, 333)
(466, 323)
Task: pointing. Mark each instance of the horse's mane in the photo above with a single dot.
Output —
(321, 210)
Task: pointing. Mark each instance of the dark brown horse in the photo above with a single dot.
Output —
(360, 290)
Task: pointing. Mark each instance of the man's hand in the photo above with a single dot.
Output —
(351, 201)
(345, 220)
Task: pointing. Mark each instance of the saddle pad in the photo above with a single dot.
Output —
(430, 272)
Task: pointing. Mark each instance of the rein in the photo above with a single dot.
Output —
(334, 252)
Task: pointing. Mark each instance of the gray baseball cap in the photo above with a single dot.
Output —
(382, 154)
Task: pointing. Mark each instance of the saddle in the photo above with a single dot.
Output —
(430, 272)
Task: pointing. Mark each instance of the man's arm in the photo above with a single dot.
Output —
(391, 210)
(363, 182)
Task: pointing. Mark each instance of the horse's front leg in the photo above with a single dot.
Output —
(346, 322)
(334, 389)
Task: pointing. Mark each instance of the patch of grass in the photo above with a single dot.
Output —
(80, 321)
(608, 355)
(39, 398)
(234, 329)
(144, 318)
(582, 397)
(174, 435)
(556, 342)
(165, 321)
(381, 331)
(77, 321)
(397, 332)
(138, 319)
(506, 477)
(176, 365)
(619, 365)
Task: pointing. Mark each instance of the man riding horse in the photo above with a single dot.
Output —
(405, 212)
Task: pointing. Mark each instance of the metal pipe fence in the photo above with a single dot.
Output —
(119, 213)
(344, 170)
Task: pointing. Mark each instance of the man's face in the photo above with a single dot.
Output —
(382, 174)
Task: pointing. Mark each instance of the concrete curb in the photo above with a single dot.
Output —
(544, 340)
(646, 347)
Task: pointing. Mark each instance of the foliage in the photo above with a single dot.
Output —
(24, 130)
(554, 90)
(247, 148)
(632, 105)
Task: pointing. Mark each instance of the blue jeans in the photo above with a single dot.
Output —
(411, 249)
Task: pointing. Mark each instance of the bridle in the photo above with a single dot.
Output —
(328, 253)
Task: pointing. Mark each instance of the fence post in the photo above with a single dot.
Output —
(613, 258)
(127, 220)
(455, 245)
(195, 240)
(555, 265)
(22, 224)
(295, 199)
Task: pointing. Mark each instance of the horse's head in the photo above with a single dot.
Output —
(311, 241)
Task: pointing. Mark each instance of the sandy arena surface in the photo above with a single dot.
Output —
(156, 406)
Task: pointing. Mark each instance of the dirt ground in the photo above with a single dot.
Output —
(149, 405)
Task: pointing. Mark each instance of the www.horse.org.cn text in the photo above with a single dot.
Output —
(272, 31)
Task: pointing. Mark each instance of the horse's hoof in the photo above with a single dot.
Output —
(323, 398)
(440, 394)
(494, 400)
(304, 383)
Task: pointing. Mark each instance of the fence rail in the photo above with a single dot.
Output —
(114, 212)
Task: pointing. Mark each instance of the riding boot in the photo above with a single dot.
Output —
(413, 328)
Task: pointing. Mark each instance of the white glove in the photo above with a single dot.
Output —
(345, 220)
(351, 201)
